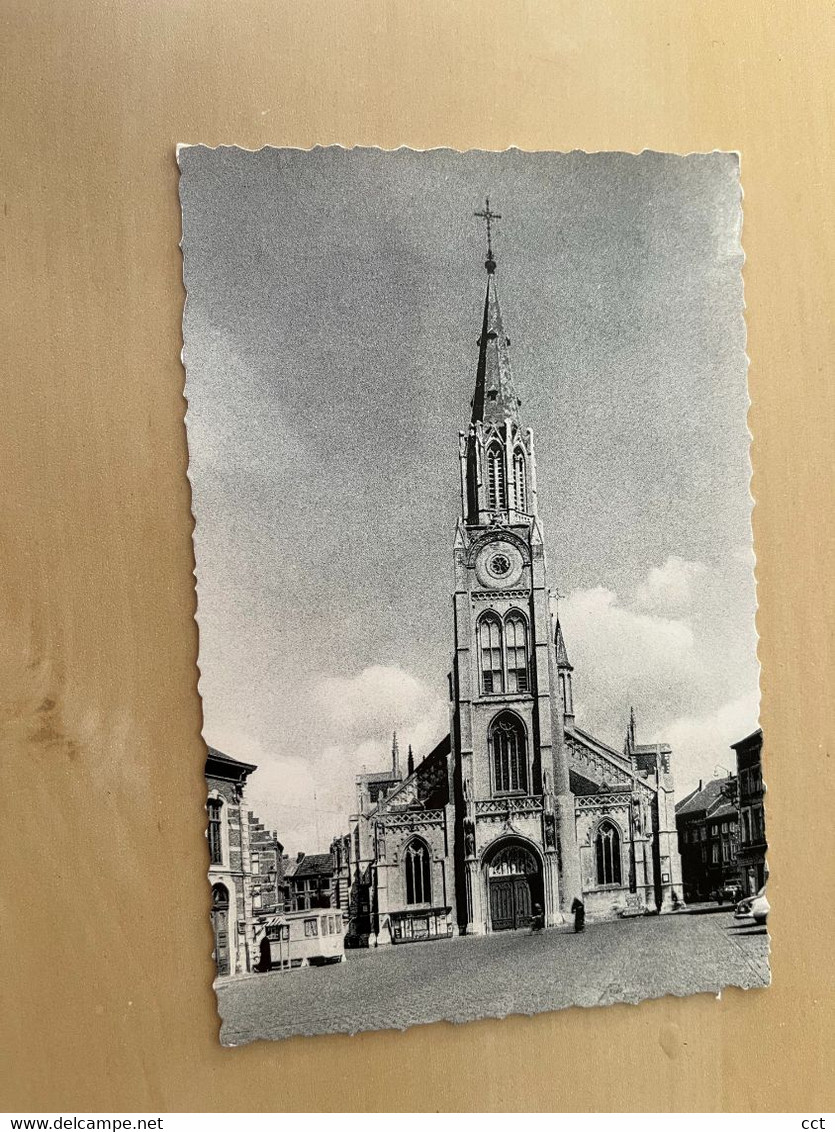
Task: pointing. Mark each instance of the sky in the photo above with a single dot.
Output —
(330, 344)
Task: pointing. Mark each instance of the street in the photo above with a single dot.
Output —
(702, 949)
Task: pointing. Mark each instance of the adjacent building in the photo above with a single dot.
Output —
(229, 862)
(400, 869)
(518, 806)
(753, 869)
(341, 854)
(245, 867)
(269, 897)
(707, 823)
(310, 882)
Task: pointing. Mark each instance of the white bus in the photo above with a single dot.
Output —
(306, 939)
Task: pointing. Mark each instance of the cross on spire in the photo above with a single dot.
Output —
(489, 216)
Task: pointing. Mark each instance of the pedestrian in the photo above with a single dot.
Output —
(265, 960)
(537, 919)
(579, 910)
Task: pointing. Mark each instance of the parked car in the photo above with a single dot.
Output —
(754, 908)
(731, 891)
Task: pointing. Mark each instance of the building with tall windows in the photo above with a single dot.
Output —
(753, 870)
(245, 867)
(518, 806)
(311, 882)
(707, 838)
(266, 853)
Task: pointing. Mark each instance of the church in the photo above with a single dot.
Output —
(518, 811)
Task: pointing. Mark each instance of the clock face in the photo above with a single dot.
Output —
(499, 565)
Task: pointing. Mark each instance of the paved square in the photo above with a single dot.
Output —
(508, 973)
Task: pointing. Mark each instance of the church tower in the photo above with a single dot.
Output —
(511, 683)
(519, 811)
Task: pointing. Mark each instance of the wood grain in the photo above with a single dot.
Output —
(107, 997)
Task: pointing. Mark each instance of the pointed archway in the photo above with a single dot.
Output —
(513, 878)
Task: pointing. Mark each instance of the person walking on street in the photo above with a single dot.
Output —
(265, 960)
(579, 910)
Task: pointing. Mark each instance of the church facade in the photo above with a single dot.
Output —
(518, 811)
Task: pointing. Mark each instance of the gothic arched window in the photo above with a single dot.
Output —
(490, 639)
(519, 485)
(215, 808)
(508, 751)
(496, 479)
(513, 860)
(418, 882)
(516, 647)
(607, 851)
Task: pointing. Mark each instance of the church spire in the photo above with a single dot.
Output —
(630, 743)
(564, 671)
(562, 654)
(498, 468)
(395, 757)
(495, 399)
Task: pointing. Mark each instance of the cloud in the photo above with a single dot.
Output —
(669, 588)
(341, 725)
(744, 555)
(702, 743)
(666, 652)
(623, 657)
(379, 699)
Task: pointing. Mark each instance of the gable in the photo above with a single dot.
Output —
(427, 788)
(596, 767)
(595, 761)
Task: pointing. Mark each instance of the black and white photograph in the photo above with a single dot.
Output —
(469, 461)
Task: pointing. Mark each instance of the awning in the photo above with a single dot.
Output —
(273, 922)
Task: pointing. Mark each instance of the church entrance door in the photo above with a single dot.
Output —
(510, 903)
(514, 878)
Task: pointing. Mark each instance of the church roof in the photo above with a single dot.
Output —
(426, 787)
(581, 783)
(618, 760)
(495, 397)
(379, 776)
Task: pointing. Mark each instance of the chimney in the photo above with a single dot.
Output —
(299, 858)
